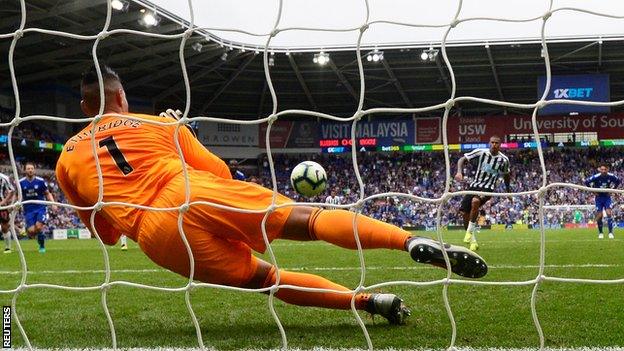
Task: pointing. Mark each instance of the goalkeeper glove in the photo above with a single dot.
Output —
(176, 114)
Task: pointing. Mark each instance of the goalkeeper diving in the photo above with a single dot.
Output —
(140, 165)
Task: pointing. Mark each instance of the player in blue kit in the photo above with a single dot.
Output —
(603, 180)
(35, 215)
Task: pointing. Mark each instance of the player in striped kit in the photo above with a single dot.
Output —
(603, 180)
(491, 164)
(333, 199)
(140, 164)
(7, 194)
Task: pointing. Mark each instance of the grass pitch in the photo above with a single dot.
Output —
(571, 314)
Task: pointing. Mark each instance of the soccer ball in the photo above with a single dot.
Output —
(308, 178)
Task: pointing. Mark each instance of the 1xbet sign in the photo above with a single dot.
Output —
(573, 93)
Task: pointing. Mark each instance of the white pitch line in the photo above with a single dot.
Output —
(482, 239)
(420, 267)
(370, 268)
(87, 271)
(346, 349)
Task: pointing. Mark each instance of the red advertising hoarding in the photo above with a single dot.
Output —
(479, 129)
(428, 130)
(290, 134)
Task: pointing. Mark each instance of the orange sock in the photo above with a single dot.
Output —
(336, 227)
(316, 299)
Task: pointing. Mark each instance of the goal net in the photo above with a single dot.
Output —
(441, 200)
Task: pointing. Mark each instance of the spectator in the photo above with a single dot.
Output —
(423, 175)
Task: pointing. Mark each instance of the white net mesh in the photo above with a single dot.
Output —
(270, 119)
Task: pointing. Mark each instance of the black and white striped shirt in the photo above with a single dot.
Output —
(5, 186)
(334, 200)
(489, 168)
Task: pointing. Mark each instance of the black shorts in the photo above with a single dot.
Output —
(466, 204)
(4, 216)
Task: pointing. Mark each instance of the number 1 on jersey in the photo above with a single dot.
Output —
(121, 162)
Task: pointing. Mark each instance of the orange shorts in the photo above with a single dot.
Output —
(221, 240)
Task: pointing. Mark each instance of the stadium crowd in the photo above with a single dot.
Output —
(422, 174)
(28, 130)
(61, 217)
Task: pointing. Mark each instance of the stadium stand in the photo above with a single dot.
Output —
(422, 174)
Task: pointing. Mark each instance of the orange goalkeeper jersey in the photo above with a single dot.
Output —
(137, 159)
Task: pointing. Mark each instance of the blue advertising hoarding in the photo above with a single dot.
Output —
(582, 87)
(379, 132)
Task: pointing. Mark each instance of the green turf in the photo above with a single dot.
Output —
(571, 314)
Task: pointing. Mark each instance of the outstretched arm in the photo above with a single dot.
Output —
(198, 157)
(195, 154)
